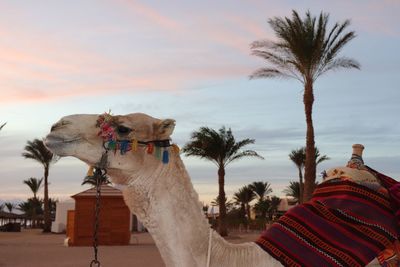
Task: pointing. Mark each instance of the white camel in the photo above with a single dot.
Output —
(161, 195)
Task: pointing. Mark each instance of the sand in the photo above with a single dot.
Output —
(31, 248)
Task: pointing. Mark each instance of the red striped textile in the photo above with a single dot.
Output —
(344, 224)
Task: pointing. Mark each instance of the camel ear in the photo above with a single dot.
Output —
(165, 128)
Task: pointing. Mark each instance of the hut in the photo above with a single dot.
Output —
(114, 219)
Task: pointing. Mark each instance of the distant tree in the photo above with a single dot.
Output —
(34, 184)
(243, 197)
(92, 180)
(228, 204)
(304, 50)
(262, 207)
(221, 148)
(275, 201)
(298, 157)
(37, 151)
(261, 189)
(31, 208)
(293, 190)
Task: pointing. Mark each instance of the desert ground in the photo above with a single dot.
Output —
(31, 248)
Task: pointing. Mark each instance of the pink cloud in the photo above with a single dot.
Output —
(151, 15)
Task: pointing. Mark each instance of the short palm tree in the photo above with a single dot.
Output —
(261, 189)
(293, 190)
(298, 157)
(243, 197)
(221, 148)
(34, 184)
(304, 50)
(37, 151)
(94, 179)
(275, 201)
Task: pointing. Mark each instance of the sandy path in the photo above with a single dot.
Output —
(31, 248)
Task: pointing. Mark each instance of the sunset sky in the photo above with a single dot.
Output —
(190, 61)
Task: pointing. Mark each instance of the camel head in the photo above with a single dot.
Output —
(127, 139)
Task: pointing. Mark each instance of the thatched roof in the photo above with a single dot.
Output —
(8, 215)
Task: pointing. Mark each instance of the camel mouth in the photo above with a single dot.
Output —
(56, 143)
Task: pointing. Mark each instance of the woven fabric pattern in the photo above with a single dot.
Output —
(344, 224)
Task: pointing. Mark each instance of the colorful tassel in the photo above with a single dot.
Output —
(150, 148)
(134, 145)
(158, 152)
(90, 172)
(165, 158)
(124, 146)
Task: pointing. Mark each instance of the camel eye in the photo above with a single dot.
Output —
(123, 130)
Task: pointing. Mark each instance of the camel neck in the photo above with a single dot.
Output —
(165, 201)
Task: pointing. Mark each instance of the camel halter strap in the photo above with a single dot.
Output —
(100, 172)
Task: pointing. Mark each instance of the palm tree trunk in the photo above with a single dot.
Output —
(222, 227)
(248, 212)
(47, 220)
(310, 167)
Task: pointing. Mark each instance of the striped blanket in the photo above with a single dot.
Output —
(344, 224)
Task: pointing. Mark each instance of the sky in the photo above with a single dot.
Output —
(191, 61)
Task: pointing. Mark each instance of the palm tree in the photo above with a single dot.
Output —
(31, 208)
(305, 49)
(275, 201)
(293, 190)
(243, 197)
(94, 179)
(262, 207)
(261, 189)
(34, 184)
(221, 148)
(37, 151)
(298, 156)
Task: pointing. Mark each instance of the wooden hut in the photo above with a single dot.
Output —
(114, 217)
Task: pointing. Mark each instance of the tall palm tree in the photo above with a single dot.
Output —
(298, 157)
(221, 148)
(261, 189)
(305, 49)
(243, 197)
(34, 184)
(37, 151)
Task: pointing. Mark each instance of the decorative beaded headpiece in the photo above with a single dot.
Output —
(108, 131)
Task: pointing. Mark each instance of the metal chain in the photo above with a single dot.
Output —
(99, 174)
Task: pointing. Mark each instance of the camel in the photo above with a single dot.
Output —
(157, 187)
